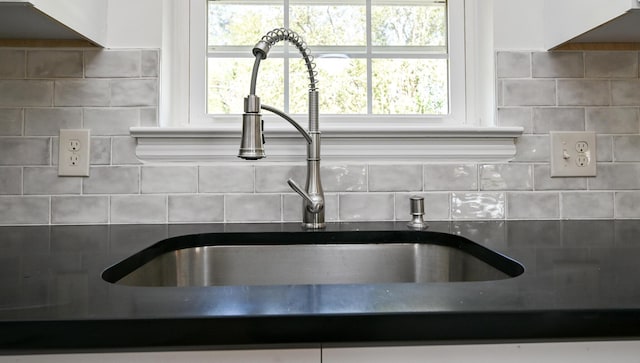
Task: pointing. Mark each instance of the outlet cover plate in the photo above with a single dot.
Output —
(73, 152)
(570, 150)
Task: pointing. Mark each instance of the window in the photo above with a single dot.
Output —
(459, 127)
(373, 57)
(386, 60)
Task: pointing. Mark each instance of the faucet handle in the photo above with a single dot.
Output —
(315, 204)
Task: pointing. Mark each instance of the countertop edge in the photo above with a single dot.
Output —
(68, 336)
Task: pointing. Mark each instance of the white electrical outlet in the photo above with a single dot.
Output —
(73, 152)
(573, 153)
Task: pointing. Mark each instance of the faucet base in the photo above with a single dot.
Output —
(314, 225)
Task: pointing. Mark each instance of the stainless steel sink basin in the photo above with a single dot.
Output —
(347, 258)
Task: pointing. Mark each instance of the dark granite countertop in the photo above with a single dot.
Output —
(581, 282)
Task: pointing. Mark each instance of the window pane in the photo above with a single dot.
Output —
(342, 86)
(229, 80)
(410, 25)
(410, 86)
(406, 53)
(235, 23)
(330, 24)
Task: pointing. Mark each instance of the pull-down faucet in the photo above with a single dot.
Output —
(252, 144)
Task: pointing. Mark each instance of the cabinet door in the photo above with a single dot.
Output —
(586, 352)
(221, 356)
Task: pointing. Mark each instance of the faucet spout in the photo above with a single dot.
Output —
(252, 143)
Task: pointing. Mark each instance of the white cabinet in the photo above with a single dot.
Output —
(54, 19)
(221, 356)
(566, 352)
(591, 21)
(583, 352)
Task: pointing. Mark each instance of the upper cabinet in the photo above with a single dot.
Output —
(591, 21)
(53, 21)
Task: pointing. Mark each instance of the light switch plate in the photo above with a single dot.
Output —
(73, 152)
(573, 153)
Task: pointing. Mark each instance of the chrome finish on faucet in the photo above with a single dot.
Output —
(417, 212)
(252, 142)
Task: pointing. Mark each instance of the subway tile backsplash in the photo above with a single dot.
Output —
(109, 91)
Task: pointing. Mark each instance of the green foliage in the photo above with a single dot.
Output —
(400, 85)
(408, 25)
(329, 25)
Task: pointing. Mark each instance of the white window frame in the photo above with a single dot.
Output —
(186, 132)
(456, 58)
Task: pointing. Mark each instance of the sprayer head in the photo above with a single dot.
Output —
(252, 143)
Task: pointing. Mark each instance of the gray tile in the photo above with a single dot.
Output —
(273, 178)
(45, 180)
(169, 179)
(24, 210)
(616, 177)
(615, 64)
(54, 63)
(86, 93)
(583, 93)
(196, 208)
(532, 148)
(343, 178)
(450, 177)
(12, 64)
(398, 178)
(150, 63)
(230, 179)
(558, 119)
(627, 204)
(605, 148)
(11, 121)
(126, 209)
(25, 150)
(134, 92)
(19, 93)
(506, 177)
(292, 208)
(149, 116)
(544, 181)
(124, 151)
(558, 65)
(513, 65)
(613, 120)
(10, 180)
(580, 205)
(529, 93)
(477, 205)
(519, 116)
(100, 151)
(436, 206)
(538, 205)
(112, 180)
(112, 63)
(367, 207)
(625, 93)
(79, 210)
(626, 148)
(49, 121)
(111, 121)
(253, 208)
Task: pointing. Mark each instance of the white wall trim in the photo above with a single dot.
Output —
(189, 144)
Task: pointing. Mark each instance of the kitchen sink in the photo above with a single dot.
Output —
(312, 258)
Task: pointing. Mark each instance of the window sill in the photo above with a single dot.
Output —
(372, 144)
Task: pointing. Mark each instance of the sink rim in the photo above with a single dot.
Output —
(499, 261)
